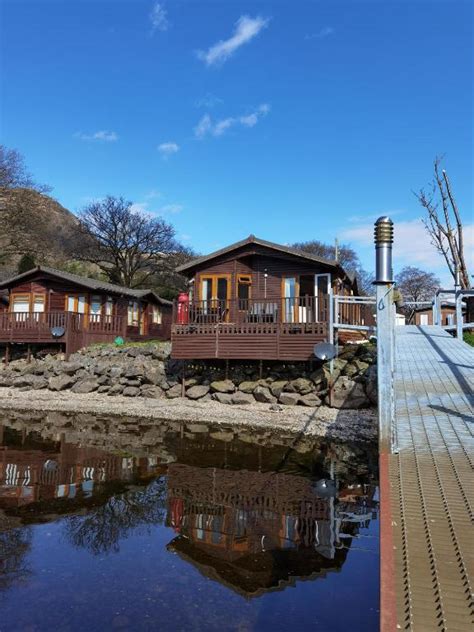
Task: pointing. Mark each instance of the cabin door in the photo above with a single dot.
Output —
(322, 289)
(215, 294)
(290, 291)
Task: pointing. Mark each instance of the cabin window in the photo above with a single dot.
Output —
(132, 319)
(423, 319)
(109, 307)
(95, 308)
(38, 304)
(244, 290)
(21, 306)
(156, 315)
(76, 304)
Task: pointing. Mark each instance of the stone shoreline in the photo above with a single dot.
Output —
(343, 425)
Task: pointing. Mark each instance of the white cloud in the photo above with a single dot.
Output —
(208, 101)
(159, 18)
(101, 135)
(218, 128)
(324, 32)
(141, 208)
(170, 209)
(152, 195)
(246, 28)
(203, 127)
(412, 246)
(168, 149)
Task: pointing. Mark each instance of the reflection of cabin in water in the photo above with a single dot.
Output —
(42, 471)
(254, 531)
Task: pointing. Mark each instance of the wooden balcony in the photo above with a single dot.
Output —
(79, 329)
(263, 329)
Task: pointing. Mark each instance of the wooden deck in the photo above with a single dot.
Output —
(260, 341)
(427, 487)
(79, 330)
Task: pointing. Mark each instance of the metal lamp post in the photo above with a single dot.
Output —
(383, 237)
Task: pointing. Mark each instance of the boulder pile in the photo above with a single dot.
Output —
(146, 370)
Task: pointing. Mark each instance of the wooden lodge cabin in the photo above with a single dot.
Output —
(424, 315)
(256, 300)
(47, 306)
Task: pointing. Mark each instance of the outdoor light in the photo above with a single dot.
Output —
(383, 237)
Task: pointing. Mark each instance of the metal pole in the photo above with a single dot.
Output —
(459, 321)
(385, 330)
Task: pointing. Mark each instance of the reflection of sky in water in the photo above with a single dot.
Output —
(146, 587)
(116, 565)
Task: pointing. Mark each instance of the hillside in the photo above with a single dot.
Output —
(31, 222)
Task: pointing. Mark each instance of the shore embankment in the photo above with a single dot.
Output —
(142, 381)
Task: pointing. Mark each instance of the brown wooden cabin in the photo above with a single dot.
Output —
(256, 300)
(45, 302)
(424, 316)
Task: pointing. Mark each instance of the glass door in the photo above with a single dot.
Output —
(290, 287)
(215, 294)
(322, 288)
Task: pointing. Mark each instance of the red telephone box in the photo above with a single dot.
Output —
(183, 308)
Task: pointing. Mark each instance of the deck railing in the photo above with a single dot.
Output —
(16, 323)
(297, 310)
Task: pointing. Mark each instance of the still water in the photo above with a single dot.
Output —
(177, 526)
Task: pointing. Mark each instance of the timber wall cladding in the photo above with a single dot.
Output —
(257, 263)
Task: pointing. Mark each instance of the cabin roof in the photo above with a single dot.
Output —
(91, 284)
(251, 239)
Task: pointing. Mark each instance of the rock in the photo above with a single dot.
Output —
(133, 372)
(115, 372)
(311, 399)
(85, 386)
(263, 394)
(240, 398)
(247, 386)
(223, 398)
(174, 391)
(320, 376)
(348, 394)
(69, 368)
(103, 389)
(133, 383)
(192, 381)
(276, 408)
(289, 399)
(371, 385)
(131, 391)
(302, 386)
(134, 352)
(151, 391)
(223, 386)
(154, 374)
(116, 389)
(61, 382)
(197, 428)
(198, 391)
(277, 387)
(103, 379)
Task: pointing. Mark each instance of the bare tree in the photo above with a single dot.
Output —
(128, 246)
(346, 256)
(444, 224)
(14, 173)
(416, 284)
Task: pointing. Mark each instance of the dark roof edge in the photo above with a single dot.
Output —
(87, 282)
(251, 239)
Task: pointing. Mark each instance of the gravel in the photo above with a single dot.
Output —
(346, 425)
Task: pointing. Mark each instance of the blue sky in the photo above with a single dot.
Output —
(290, 120)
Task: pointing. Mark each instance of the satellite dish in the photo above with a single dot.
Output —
(57, 332)
(325, 351)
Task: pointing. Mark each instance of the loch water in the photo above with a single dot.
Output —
(143, 525)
